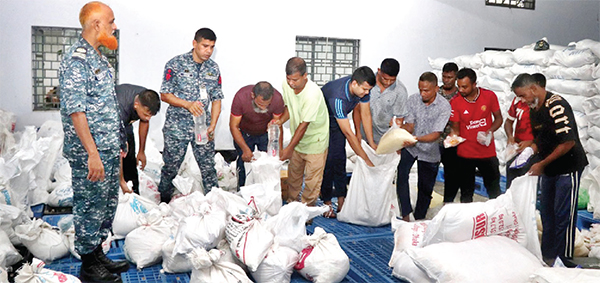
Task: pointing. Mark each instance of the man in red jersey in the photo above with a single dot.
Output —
(471, 119)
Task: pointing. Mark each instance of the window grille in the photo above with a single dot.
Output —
(328, 58)
(47, 47)
(520, 4)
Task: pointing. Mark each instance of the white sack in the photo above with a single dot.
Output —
(404, 267)
(42, 241)
(591, 181)
(263, 169)
(583, 88)
(129, 209)
(147, 187)
(10, 217)
(469, 61)
(204, 229)
(154, 161)
(498, 59)
(216, 265)
(584, 73)
(371, 199)
(36, 273)
(493, 84)
(186, 205)
(561, 275)
(289, 226)
(233, 204)
(61, 196)
(529, 69)
(143, 245)
(407, 235)
(249, 239)
(591, 104)
(263, 197)
(438, 63)
(173, 262)
(590, 44)
(511, 215)
(278, 265)
(393, 140)
(8, 254)
(226, 173)
(487, 259)
(503, 74)
(528, 56)
(571, 57)
(576, 101)
(323, 260)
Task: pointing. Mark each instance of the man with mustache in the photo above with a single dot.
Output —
(91, 124)
(427, 116)
(556, 141)
(253, 107)
(191, 86)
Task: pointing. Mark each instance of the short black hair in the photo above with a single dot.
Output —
(390, 67)
(263, 89)
(467, 72)
(450, 67)
(429, 77)
(149, 98)
(205, 33)
(295, 65)
(363, 74)
(540, 79)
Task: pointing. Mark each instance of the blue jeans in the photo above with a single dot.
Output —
(559, 214)
(260, 141)
(427, 173)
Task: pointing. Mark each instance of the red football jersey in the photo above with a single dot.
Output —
(474, 117)
(519, 111)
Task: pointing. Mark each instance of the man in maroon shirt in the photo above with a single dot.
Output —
(253, 107)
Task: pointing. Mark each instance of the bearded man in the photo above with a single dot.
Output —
(91, 124)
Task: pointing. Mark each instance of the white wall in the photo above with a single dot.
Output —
(255, 38)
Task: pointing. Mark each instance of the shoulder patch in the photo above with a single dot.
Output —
(168, 74)
(80, 53)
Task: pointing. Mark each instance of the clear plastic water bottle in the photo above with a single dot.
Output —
(273, 146)
(200, 129)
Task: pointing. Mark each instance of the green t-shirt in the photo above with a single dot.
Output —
(308, 106)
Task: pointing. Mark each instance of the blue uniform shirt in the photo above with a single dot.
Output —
(186, 79)
(87, 85)
(340, 102)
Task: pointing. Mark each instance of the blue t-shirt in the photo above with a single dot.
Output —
(340, 102)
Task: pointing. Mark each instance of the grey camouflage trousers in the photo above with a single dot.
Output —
(94, 203)
(173, 155)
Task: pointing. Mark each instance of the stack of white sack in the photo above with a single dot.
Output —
(263, 197)
(572, 71)
(11, 217)
(35, 272)
(371, 199)
(263, 169)
(591, 240)
(511, 215)
(591, 183)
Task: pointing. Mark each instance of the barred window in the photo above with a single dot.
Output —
(521, 4)
(328, 58)
(48, 44)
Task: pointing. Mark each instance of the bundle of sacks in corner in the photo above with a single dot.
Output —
(572, 71)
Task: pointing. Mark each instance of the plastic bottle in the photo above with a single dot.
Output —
(200, 129)
(273, 146)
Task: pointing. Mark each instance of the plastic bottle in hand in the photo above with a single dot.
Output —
(273, 146)
(200, 129)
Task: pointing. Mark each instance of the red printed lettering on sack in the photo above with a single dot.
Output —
(480, 223)
(303, 255)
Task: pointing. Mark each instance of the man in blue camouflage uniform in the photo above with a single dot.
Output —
(191, 82)
(91, 124)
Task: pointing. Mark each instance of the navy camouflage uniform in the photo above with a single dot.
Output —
(185, 78)
(87, 85)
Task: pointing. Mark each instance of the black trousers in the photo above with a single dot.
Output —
(130, 172)
(489, 170)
